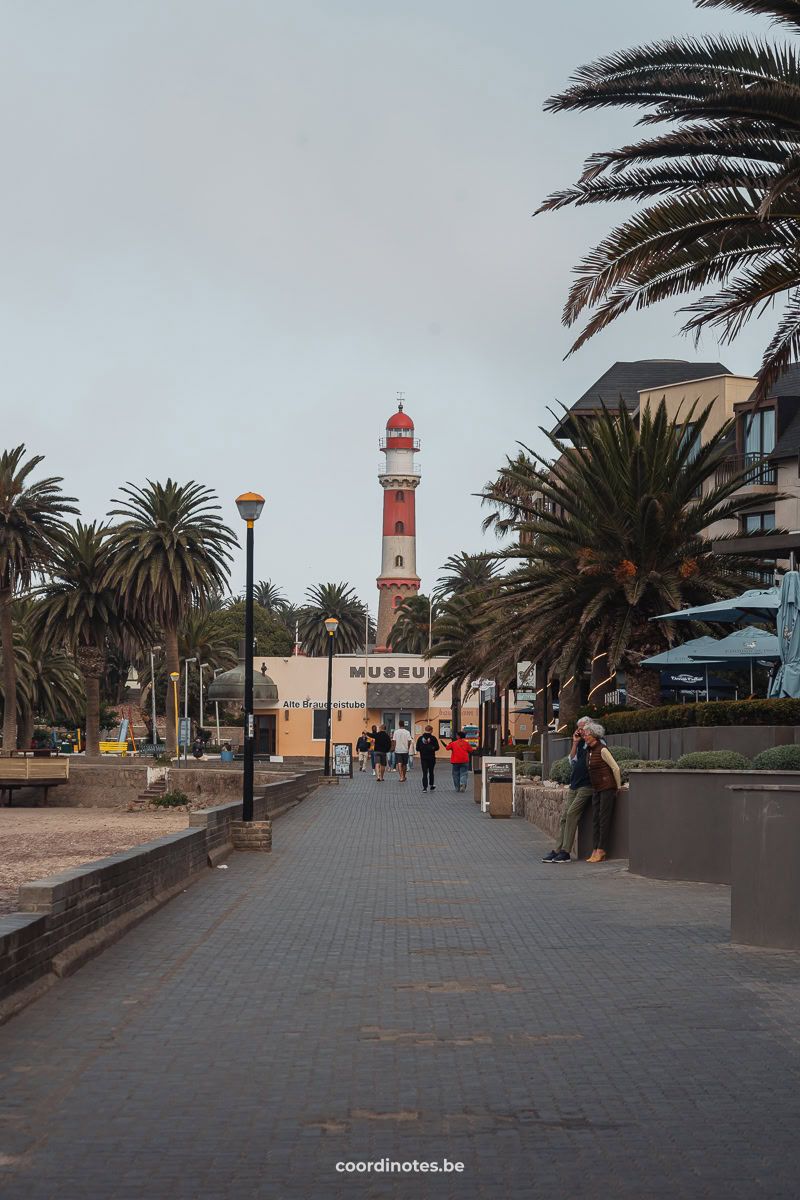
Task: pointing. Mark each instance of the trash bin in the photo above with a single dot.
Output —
(477, 783)
(501, 793)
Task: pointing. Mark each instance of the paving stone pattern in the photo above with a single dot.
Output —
(402, 978)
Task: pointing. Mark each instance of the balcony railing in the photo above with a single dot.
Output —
(762, 475)
(414, 442)
(411, 470)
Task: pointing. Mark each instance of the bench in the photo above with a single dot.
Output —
(18, 772)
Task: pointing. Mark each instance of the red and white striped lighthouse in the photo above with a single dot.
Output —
(399, 478)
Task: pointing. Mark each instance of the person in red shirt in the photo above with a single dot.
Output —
(460, 750)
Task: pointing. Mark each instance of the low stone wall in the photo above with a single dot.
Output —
(66, 919)
(98, 783)
(749, 740)
(542, 806)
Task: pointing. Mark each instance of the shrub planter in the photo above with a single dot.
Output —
(679, 822)
(765, 884)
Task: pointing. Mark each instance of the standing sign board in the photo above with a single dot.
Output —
(343, 759)
(525, 690)
(184, 731)
(498, 768)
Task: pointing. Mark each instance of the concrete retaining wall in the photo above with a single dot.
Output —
(680, 821)
(66, 919)
(765, 881)
(749, 740)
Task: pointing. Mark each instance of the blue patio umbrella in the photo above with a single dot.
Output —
(787, 679)
(693, 653)
(761, 603)
(742, 648)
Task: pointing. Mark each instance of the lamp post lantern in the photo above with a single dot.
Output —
(249, 505)
(331, 624)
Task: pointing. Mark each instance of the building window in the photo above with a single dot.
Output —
(759, 522)
(320, 727)
(400, 497)
(397, 601)
(398, 562)
(759, 439)
(399, 527)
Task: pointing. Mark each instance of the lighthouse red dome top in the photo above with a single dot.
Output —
(399, 420)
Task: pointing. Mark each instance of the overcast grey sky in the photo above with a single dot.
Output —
(233, 229)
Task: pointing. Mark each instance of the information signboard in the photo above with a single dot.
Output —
(498, 768)
(343, 758)
(525, 690)
(184, 731)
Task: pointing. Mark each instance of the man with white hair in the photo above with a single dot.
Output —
(578, 796)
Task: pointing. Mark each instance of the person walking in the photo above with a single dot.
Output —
(401, 744)
(383, 744)
(371, 740)
(578, 796)
(605, 777)
(460, 750)
(427, 745)
(362, 746)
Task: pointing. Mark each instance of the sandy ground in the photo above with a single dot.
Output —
(37, 842)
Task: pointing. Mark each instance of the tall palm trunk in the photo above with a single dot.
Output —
(9, 671)
(91, 664)
(599, 682)
(25, 727)
(643, 686)
(173, 664)
(569, 697)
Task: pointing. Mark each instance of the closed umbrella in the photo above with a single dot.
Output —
(787, 679)
(761, 603)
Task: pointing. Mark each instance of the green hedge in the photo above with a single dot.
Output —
(645, 764)
(716, 712)
(713, 760)
(777, 758)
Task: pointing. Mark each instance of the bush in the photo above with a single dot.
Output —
(561, 770)
(624, 754)
(713, 760)
(777, 758)
(172, 799)
(716, 712)
(645, 764)
(530, 770)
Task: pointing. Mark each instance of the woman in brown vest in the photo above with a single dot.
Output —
(605, 778)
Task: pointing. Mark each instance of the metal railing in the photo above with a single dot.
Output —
(411, 470)
(764, 474)
(393, 437)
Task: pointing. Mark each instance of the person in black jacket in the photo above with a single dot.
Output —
(427, 745)
(383, 744)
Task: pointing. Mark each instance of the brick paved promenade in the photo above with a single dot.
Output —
(403, 978)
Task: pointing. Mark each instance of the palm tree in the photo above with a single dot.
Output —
(724, 181)
(48, 682)
(31, 523)
(413, 629)
(621, 541)
(199, 638)
(269, 596)
(333, 600)
(169, 553)
(467, 573)
(79, 608)
(459, 621)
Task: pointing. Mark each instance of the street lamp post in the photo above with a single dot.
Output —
(331, 624)
(153, 691)
(186, 705)
(175, 676)
(249, 505)
(216, 706)
(201, 692)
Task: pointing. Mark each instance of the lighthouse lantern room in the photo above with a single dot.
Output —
(398, 477)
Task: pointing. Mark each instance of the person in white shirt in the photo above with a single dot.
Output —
(401, 744)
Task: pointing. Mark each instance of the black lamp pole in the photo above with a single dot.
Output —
(247, 784)
(328, 717)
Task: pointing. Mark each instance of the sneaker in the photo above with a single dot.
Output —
(424, 789)
(373, 772)
(433, 787)
(562, 856)
(549, 857)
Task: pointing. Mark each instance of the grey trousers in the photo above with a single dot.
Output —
(575, 803)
